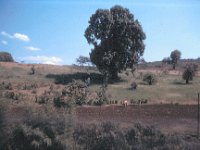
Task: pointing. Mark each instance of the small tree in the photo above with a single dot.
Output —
(175, 56)
(189, 72)
(166, 60)
(149, 78)
(83, 60)
(32, 70)
(6, 57)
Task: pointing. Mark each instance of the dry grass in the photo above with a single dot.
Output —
(170, 88)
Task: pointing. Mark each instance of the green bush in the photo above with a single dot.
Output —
(59, 102)
(6, 57)
(110, 136)
(77, 91)
(149, 78)
(134, 85)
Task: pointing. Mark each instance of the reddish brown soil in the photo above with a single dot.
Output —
(166, 117)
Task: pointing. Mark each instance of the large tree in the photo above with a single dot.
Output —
(175, 56)
(117, 38)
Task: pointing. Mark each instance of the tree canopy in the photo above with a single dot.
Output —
(82, 60)
(6, 57)
(117, 38)
(189, 72)
(175, 56)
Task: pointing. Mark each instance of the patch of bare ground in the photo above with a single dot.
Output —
(168, 118)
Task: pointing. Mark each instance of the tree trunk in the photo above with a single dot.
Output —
(150, 82)
(174, 66)
(114, 75)
(105, 80)
(187, 81)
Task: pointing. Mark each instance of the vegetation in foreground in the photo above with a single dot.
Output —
(45, 130)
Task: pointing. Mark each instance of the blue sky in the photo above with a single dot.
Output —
(52, 31)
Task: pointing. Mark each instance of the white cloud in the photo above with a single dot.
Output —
(22, 37)
(4, 42)
(6, 34)
(31, 48)
(43, 60)
(19, 36)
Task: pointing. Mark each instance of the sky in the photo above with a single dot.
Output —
(52, 31)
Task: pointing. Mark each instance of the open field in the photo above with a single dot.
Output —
(171, 104)
(166, 117)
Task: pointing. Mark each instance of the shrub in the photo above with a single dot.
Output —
(58, 102)
(77, 91)
(11, 95)
(189, 72)
(99, 137)
(1, 127)
(32, 70)
(102, 97)
(110, 136)
(6, 86)
(149, 78)
(32, 137)
(6, 57)
(134, 85)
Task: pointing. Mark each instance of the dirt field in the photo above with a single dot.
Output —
(167, 117)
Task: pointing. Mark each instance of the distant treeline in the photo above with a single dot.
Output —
(6, 57)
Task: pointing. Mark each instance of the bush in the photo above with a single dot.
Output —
(1, 127)
(31, 137)
(134, 85)
(77, 91)
(189, 72)
(102, 97)
(110, 136)
(11, 95)
(99, 137)
(59, 102)
(32, 72)
(6, 57)
(150, 78)
(43, 99)
(6, 86)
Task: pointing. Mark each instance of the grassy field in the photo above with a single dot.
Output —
(170, 88)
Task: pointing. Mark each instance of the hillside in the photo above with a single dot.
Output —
(41, 105)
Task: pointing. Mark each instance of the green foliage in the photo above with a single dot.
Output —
(6, 57)
(133, 85)
(175, 56)
(77, 90)
(117, 39)
(110, 136)
(150, 78)
(167, 60)
(29, 137)
(36, 131)
(83, 60)
(59, 102)
(104, 136)
(102, 96)
(189, 72)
